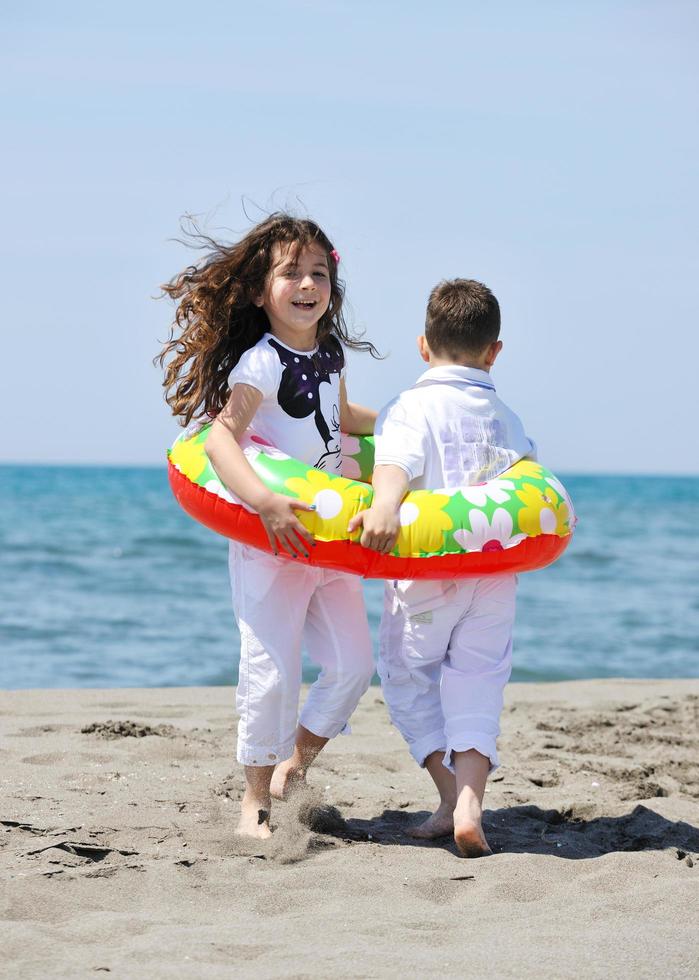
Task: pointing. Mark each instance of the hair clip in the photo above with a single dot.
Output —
(336, 255)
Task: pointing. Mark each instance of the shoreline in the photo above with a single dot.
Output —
(117, 850)
(375, 685)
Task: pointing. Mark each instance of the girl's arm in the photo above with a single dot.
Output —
(356, 419)
(276, 510)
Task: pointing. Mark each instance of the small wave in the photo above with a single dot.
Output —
(27, 633)
(598, 558)
(665, 643)
(533, 675)
(49, 567)
(178, 541)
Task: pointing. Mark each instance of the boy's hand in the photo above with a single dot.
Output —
(380, 528)
(381, 522)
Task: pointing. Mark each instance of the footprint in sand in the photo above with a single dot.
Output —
(128, 729)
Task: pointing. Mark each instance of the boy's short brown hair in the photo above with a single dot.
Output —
(463, 317)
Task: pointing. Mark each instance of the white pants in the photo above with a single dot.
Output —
(445, 655)
(279, 603)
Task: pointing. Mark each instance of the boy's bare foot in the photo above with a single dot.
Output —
(471, 842)
(471, 775)
(438, 824)
(285, 779)
(468, 833)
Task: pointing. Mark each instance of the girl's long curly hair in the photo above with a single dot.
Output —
(216, 319)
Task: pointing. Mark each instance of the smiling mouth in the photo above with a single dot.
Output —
(304, 304)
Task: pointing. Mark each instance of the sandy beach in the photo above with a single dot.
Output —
(118, 854)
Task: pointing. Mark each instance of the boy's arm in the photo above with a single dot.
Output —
(355, 419)
(401, 447)
(380, 522)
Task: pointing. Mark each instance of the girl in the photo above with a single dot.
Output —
(260, 346)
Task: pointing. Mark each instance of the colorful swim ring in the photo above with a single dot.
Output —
(521, 521)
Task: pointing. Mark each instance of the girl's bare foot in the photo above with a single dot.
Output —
(254, 820)
(285, 779)
(291, 774)
(256, 803)
(438, 824)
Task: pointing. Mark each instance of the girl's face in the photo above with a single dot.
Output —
(296, 294)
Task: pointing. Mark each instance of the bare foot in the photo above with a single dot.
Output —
(471, 842)
(468, 832)
(254, 820)
(285, 779)
(438, 824)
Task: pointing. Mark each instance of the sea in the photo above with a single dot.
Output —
(105, 582)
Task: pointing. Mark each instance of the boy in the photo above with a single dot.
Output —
(445, 645)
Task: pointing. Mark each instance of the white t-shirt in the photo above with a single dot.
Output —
(450, 430)
(300, 408)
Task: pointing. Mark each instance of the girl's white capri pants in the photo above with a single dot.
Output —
(278, 604)
(445, 655)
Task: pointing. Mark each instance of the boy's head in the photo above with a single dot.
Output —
(463, 322)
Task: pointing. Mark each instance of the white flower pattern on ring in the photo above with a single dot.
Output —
(483, 532)
(254, 445)
(215, 486)
(495, 490)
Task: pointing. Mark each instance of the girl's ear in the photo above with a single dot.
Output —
(259, 301)
(423, 348)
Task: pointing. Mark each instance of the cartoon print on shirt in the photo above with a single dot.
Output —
(335, 444)
(300, 393)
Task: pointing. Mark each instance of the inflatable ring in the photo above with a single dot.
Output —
(521, 521)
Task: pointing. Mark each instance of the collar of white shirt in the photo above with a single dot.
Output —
(456, 374)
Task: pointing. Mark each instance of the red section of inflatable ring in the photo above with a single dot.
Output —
(234, 521)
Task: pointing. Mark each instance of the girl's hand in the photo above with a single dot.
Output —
(223, 449)
(380, 528)
(283, 528)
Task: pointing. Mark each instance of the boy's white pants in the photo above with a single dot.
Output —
(445, 655)
(278, 603)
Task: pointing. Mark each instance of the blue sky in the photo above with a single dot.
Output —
(547, 148)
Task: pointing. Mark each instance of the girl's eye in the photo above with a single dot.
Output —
(321, 275)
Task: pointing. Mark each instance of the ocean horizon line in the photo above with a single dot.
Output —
(132, 467)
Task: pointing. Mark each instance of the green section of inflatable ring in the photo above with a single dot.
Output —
(361, 450)
(526, 501)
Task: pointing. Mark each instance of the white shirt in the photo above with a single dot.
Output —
(450, 430)
(300, 408)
